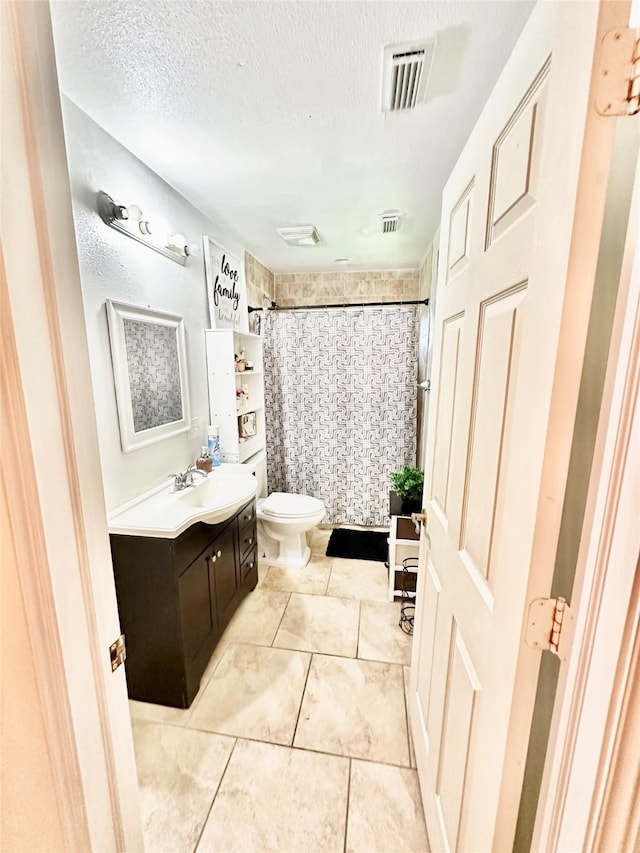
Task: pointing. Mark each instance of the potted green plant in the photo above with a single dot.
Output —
(406, 496)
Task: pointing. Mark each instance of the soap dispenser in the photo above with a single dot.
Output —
(203, 462)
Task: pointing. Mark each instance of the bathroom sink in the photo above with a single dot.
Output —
(164, 513)
(216, 490)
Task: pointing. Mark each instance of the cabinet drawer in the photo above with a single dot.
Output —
(247, 528)
(247, 538)
(247, 515)
(249, 563)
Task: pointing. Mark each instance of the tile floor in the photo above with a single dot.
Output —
(298, 738)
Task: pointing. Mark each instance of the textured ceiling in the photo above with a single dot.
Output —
(267, 114)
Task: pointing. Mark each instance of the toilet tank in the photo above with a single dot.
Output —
(258, 466)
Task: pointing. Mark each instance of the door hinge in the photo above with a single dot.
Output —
(618, 81)
(117, 652)
(550, 626)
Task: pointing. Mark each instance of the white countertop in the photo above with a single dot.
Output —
(163, 513)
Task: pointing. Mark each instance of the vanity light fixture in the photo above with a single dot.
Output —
(178, 243)
(130, 221)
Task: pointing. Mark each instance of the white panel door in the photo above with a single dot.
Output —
(520, 228)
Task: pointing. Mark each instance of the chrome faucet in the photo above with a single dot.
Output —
(183, 481)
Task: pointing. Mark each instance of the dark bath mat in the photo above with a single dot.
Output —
(358, 545)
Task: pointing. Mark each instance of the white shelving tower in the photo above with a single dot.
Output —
(225, 407)
(404, 542)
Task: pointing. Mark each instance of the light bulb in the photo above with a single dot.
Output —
(134, 213)
(177, 241)
(193, 249)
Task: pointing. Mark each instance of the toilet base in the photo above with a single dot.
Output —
(291, 553)
(290, 562)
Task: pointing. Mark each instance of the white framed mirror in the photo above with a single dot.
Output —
(149, 358)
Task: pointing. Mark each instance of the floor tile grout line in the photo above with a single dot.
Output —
(222, 775)
(304, 689)
(309, 749)
(358, 634)
(326, 588)
(284, 610)
(296, 591)
(346, 816)
(320, 652)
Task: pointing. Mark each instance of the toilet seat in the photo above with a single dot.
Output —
(281, 505)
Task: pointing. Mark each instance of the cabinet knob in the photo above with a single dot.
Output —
(250, 541)
(251, 564)
(219, 553)
(214, 558)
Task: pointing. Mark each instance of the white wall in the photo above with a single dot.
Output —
(113, 266)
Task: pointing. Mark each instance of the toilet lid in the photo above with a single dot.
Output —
(291, 506)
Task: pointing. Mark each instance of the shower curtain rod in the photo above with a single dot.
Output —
(275, 307)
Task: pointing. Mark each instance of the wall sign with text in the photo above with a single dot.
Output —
(226, 288)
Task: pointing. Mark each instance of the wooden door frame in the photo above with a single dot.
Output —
(580, 801)
(50, 461)
(49, 427)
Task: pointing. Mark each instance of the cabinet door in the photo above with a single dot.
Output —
(224, 568)
(199, 619)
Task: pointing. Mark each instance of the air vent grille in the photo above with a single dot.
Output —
(405, 75)
(407, 71)
(390, 222)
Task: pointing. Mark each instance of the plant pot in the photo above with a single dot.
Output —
(410, 505)
(395, 503)
(402, 506)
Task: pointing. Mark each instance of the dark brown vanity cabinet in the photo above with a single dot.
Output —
(175, 598)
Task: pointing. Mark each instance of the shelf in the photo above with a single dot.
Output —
(248, 335)
(411, 569)
(244, 410)
(243, 373)
(249, 447)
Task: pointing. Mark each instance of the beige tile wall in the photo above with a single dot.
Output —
(260, 284)
(426, 273)
(319, 288)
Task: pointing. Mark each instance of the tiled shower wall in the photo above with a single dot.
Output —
(260, 289)
(318, 288)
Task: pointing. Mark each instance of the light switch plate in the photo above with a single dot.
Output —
(194, 430)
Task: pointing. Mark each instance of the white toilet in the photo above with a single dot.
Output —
(283, 521)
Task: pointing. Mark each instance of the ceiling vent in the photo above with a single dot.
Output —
(390, 221)
(300, 235)
(405, 74)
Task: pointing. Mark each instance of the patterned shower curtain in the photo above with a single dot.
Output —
(340, 400)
